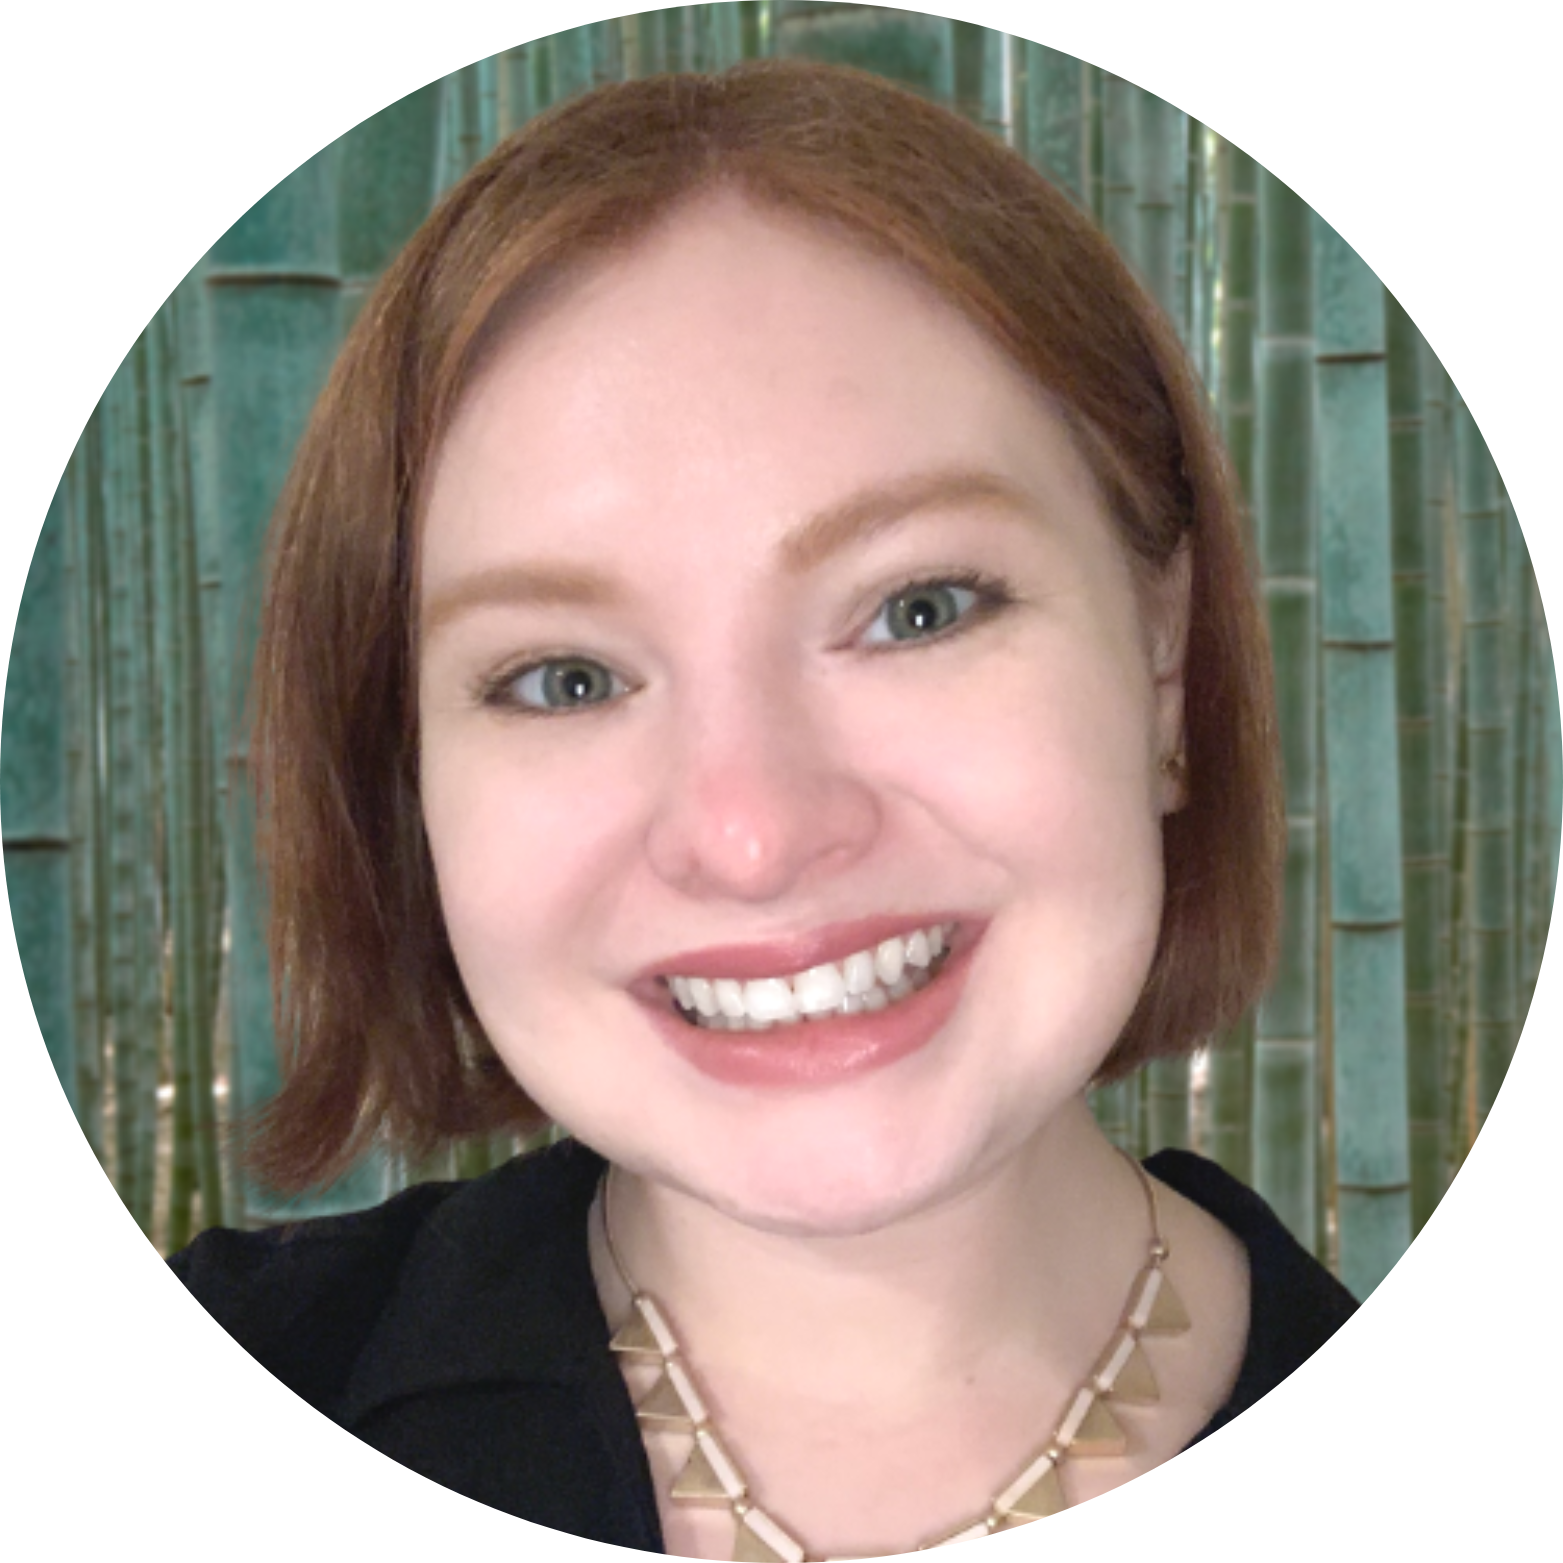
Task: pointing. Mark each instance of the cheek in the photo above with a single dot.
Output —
(522, 846)
(1026, 756)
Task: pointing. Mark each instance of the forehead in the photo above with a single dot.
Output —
(738, 363)
(725, 288)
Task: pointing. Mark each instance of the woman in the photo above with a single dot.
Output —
(759, 668)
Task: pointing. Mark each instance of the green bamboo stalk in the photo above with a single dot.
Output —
(273, 289)
(758, 21)
(121, 480)
(1001, 78)
(1160, 136)
(173, 1014)
(1123, 1109)
(904, 46)
(1521, 652)
(1489, 829)
(1460, 1064)
(209, 651)
(1116, 1108)
(977, 59)
(469, 115)
(1367, 944)
(1119, 217)
(1327, 1213)
(1239, 268)
(1539, 822)
(94, 917)
(1056, 137)
(487, 72)
(473, 1158)
(1168, 1105)
(1093, 93)
(185, 748)
(1187, 192)
(461, 118)
(705, 41)
(1204, 224)
(607, 55)
(192, 317)
(1229, 1087)
(1285, 1052)
(570, 62)
(679, 34)
(1184, 191)
(194, 843)
(1160, 133)
(35, 793)
(1423, 863)
(1437, 486)
(1548, 796)
(476, 98)
(1460, 1075)
(385, 183)
(517, 101)
(641, 45)
(117, 722)
(146, 786)
(83, 636)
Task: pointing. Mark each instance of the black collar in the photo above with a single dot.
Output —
(496, 1288)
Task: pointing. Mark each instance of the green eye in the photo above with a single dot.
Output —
(920, 612)
(565, 684)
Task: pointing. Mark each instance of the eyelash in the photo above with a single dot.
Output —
(990, 594)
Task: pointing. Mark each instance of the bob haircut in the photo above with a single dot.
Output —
(379, 1037)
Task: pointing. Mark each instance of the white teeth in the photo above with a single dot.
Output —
(890, 960)
(820, 989)
(864, 980)
(770, 998)
(858, 972)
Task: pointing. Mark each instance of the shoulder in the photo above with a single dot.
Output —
(303, 1298)
(1295, 1304)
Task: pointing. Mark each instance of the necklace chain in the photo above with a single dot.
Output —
(711, 1476)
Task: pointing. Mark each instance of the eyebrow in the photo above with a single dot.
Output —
(853, 520)
(880, 506)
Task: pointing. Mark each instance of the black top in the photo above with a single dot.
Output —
(456, 1328)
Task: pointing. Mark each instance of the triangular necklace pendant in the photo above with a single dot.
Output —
(1168, 1316)
(698, 1481)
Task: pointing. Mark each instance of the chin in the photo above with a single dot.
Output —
(812, 1182)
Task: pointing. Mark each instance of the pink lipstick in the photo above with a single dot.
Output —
(818, 1049)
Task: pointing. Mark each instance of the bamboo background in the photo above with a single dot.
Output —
(1418, 697)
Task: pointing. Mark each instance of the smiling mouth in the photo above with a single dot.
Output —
(870, 979)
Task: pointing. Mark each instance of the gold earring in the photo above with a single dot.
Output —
(1174, 767)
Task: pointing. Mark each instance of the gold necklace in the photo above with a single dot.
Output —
(1087, 1428)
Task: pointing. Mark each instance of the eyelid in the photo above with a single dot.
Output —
(991, 594)
(494, 690)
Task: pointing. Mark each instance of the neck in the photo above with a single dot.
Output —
(1021, 1269)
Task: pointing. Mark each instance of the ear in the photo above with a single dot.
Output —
(1167, 616)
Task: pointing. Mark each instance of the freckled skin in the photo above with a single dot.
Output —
(669, 422)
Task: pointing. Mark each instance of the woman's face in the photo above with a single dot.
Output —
(772, 624)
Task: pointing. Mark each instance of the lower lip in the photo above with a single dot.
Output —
(819, 1052)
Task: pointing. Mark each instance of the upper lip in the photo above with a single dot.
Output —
(784, 956)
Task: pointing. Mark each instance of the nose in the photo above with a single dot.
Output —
(758, 802)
